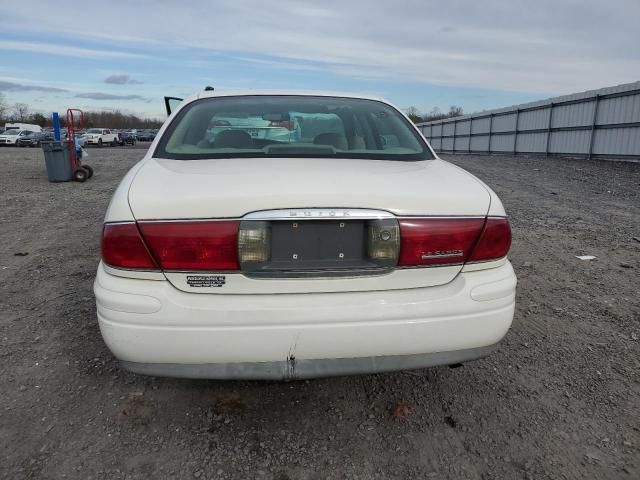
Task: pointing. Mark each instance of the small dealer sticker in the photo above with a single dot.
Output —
(206, 281)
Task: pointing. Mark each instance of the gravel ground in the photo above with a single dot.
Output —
(560, 399)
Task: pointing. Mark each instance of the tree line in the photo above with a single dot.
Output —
(21, 113)
(435, 114)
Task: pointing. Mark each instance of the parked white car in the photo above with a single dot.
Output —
(347, 251)
(23, 126)
(11, 136)
(101, 136)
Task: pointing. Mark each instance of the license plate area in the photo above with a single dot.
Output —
(300, 248)
(312, 245)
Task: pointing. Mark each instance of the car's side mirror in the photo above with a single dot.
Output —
(171, 103)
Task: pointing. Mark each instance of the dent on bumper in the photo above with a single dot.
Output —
(169, 332)
(294, 369)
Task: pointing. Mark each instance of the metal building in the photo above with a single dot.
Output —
(598, 123)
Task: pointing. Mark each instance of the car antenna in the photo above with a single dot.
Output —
(208, 88)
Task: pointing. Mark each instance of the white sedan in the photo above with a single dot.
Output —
(347, 248)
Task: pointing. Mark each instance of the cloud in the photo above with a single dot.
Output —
(108, 96)
(66, 51)
(121, 80)
(17, 87)
(159, 115)
(551, 48)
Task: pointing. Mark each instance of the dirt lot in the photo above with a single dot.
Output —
(560, 399)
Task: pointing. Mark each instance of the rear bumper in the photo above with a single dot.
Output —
(298, 369)
(156, 329)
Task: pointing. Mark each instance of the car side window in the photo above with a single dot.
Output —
(388, 133)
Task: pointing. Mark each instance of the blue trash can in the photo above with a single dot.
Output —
(58, 161)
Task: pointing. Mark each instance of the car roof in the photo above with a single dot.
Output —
(309, 93)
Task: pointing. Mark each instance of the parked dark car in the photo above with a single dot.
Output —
(34, 139)
(126, 138)
(141, 135)
(146, 135)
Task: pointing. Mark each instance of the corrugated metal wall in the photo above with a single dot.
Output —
(603, 123)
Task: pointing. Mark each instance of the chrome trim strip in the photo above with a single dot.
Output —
(318, 214)
(319, 274)
(257, 216)
(439, 217)
(435, 265)
(189, 220)
(121, 222)
(136, 270)
(204, 272)
(442, 255)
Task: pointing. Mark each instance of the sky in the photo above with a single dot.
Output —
(122, 55)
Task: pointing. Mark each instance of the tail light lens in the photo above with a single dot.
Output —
(122, 247)
(226, 245)
(383, 241)
(494, 242)
(189, 246)
(436, 241)
(254, 242)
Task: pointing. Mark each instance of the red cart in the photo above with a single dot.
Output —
(75, 122)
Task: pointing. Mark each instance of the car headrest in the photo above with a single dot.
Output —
(336, 140)
(233, 139)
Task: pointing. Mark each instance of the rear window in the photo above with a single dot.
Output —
(291, 126)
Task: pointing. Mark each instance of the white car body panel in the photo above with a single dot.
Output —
(234, 188)
(155, 323)
(231, 188)
(238, 283)
(146, 323)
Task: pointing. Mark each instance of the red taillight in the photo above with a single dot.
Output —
(437, 241)
(188, 246)
(122, 247)
(494, 242)
(213, 245)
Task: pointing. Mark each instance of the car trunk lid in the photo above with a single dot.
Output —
(314, 247)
